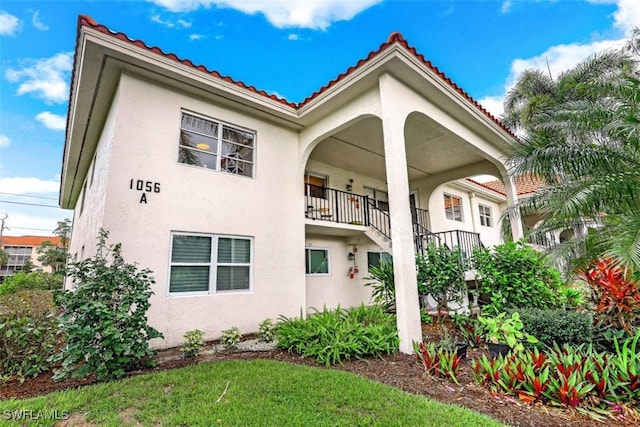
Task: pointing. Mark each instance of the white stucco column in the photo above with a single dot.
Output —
(404, 265)
(512, 199)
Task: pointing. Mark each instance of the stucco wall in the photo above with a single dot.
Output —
(337, 288)
(87, 221)
(267, 208)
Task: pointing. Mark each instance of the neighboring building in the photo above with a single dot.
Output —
(246, 206)
(22, 249)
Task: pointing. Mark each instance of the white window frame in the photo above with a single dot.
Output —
(323, 177)
(306, 259)
(486, 215)
(450, 213)
(218, 154)
(212, 264)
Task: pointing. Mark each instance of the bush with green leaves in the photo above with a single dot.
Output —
(193, 344)
(28, 333)
(514, 275)
(231, 338)
(33, 280)
(104, 317)
(267, 330)
(441, 275)
(558, 326)
(330, 336)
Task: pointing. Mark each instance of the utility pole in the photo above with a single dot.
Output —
(2, 227)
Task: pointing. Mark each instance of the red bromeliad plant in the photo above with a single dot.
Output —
(617, 295)
(437, 361)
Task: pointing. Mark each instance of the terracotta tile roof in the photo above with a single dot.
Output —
(395, 37)
(525, 184)
(29, 240)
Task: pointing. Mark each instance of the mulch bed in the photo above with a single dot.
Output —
(400, 370)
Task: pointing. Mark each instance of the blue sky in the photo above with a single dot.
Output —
(287, 47)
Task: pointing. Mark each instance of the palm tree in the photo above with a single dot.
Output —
(582, 138)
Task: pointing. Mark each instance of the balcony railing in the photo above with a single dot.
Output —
(329, 204)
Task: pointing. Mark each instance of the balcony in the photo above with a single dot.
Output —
(336, 208)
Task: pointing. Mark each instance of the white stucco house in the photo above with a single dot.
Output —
(247, 206)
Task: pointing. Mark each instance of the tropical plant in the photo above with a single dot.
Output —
(438, 361)
(616, 293)
(382, 286)
(558, 326)
(441, 275)
(4, 257)
(329, 336)
(514, 276)
(469, 328)
(104, 316)
(580, 137)
(506, 330)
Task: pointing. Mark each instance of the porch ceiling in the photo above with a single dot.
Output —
(431, 149)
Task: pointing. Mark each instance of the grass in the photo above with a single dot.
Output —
(239, 393)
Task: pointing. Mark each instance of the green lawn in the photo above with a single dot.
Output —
(259, 393)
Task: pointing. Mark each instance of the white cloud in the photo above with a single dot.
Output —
(5, 141)
(45, 78)
(317, 14)
(293, 37)
(52, 121)
(506, 5)
(27, 223)
(39, 25)
(29, 185)
(195, 36)
(9, 24)
(170, 24)
(493, 104)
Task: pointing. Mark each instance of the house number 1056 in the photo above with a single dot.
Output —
(145, 187)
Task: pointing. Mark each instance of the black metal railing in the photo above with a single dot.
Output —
(466, 241)
(329, 204)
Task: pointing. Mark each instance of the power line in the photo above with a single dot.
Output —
(33, 197)
(30, 204)
(29, 228)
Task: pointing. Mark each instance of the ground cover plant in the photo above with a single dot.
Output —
(259, 392)
(33, 280)
(330, 336)
(597, 383)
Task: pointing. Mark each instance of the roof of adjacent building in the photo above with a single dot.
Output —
(396, 37)
(29, 240)
(525, 184)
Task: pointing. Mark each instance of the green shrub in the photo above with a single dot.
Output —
(558, 326)
(105, 316)
(330, 336)
(515, 276)
(441, 275)
(230, 338)
(28, 333)
(34, 280)
(194, 342)
(267, 330)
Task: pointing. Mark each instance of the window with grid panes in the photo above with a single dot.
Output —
(485, 216)
(214, 145)
(453, 207)
(209, 264)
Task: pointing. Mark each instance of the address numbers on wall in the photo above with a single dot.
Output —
(145, 187)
